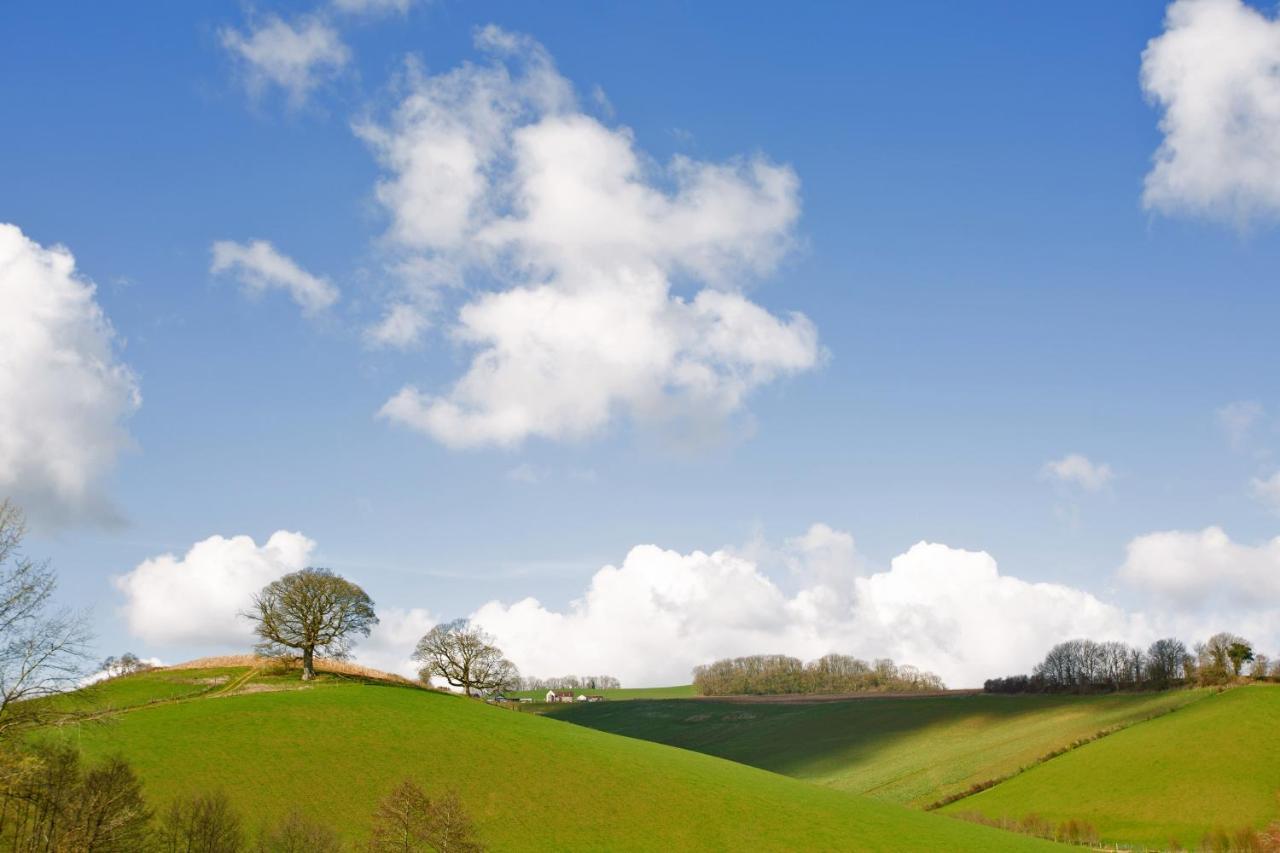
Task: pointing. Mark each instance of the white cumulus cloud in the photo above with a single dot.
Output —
(1215, 73)
(1078, 470)
(608, 284)
(296, 56)
(389, 647)
(660, 613)
(400, 327)
(260, 267)
(1198, 569)
(64, 393)
(197, 599)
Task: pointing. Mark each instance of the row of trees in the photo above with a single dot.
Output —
(834, 673)
(570, 682)
(1088, 666)
(50, 802)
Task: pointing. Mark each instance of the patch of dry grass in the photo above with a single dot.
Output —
(336, 667)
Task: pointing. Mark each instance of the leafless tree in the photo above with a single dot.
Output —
(126, 664)
(570, 682)
(111, 815)
(400, 822)
(206, 823)
(450, 827)
(47, 803)
(1166, 660)
(465, 656)
(1215, 662)
(833, 673)
(408, 821)
(42, 651)
(299, 834)
(311, 611)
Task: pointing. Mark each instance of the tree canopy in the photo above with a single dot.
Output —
(465, 656)
(313, 610)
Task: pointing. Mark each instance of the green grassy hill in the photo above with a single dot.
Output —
(913, 751)
(1215, 764)
(335, 747)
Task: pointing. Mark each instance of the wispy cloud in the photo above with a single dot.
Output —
(260, 267)
(296, 56)
(1076, 469)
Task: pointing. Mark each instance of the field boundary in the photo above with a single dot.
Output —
(819, 698)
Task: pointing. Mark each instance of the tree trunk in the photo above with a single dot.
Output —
(308, 667)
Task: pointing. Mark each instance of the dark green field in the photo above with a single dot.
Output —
(335, 747)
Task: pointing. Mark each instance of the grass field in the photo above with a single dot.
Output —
(334, 748)
(1214, 764)
(911, 751)
(681, 691)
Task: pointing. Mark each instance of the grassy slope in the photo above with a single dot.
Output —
(154, 685)
(912, 751)
(1213, 764)
(335, 748)
(680, 691)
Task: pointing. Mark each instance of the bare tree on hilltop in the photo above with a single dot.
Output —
(311, 611)
(464, 655)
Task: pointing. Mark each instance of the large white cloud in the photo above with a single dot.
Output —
(64, 393)
(296, 56)
(609, 284)
(660, 613)
(197, 599)
(1201, 569)
(1215, 72)
(261, 267)
(389, 647)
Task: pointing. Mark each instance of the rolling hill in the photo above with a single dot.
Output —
(1213, 765)
(913, 751)
(335, 747)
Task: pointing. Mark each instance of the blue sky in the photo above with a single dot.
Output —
(989, 292)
